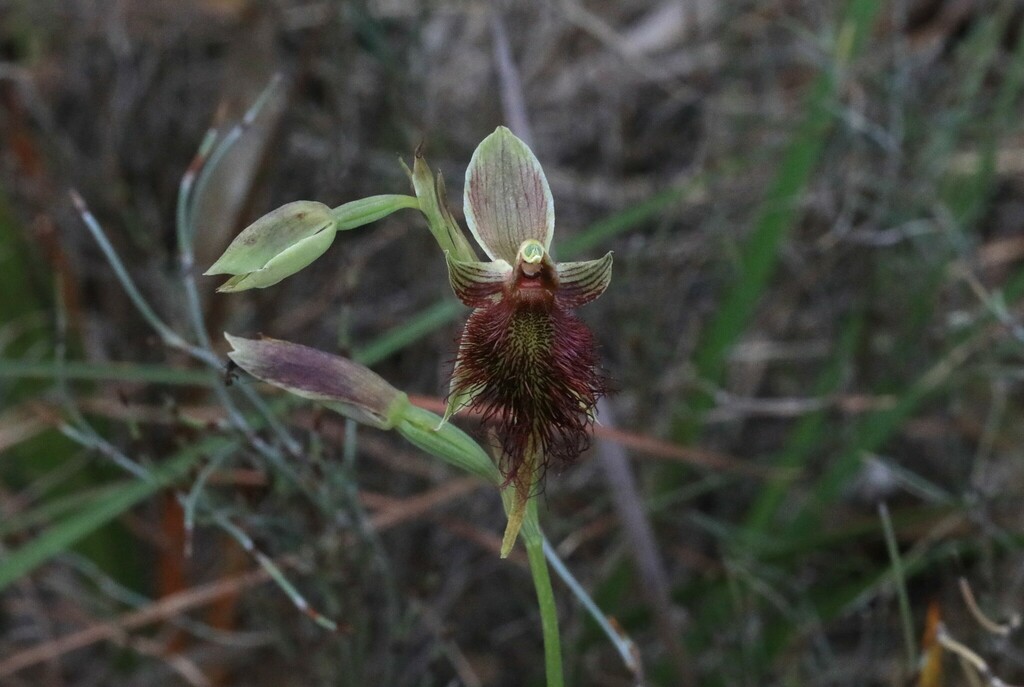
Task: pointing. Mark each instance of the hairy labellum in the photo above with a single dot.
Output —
(525, 361)
(531, 366)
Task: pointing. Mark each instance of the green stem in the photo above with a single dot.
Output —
(534, 541)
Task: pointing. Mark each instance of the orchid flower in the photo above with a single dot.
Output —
(525, 360)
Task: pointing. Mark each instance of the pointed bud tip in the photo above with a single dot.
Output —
(236, 284)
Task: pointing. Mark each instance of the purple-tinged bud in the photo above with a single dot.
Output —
(341, 384)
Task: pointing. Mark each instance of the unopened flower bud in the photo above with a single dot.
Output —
(276, 246)
(285, 241)
(338, 383)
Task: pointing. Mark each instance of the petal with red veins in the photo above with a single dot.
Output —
(507, 197)
(477, 283)
(581, 282)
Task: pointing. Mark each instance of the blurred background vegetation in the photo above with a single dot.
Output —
(817, 213)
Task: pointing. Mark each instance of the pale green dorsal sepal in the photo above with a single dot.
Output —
(507, 197)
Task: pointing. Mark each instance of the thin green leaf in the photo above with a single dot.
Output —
(67, 532)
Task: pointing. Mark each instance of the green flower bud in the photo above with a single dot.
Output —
(360, 394)
(276, 246)
(288, 239)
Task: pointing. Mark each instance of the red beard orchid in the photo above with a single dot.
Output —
(524, 361)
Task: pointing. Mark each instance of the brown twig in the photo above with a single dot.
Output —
(643, 446)
(195, 597)
(400, 510)
(1002, 629)
(641, 539)
(967, 654)
(159, 610)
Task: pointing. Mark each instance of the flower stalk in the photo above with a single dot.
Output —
(534, 540)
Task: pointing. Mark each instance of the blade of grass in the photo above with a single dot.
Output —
(968, 200)
(14, 258)
(826, 600)
(832, 601)
(873, 430)
(978, 53)
(111, 372)
(604, 230)
(66, 533)
(961, 199)
(899, 578)
(877, 427)
(804, 535)
(56, 507)
(805, 437)
(415, 328)
(777, 215)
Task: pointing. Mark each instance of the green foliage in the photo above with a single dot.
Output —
(823, 296)
(97, 512)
